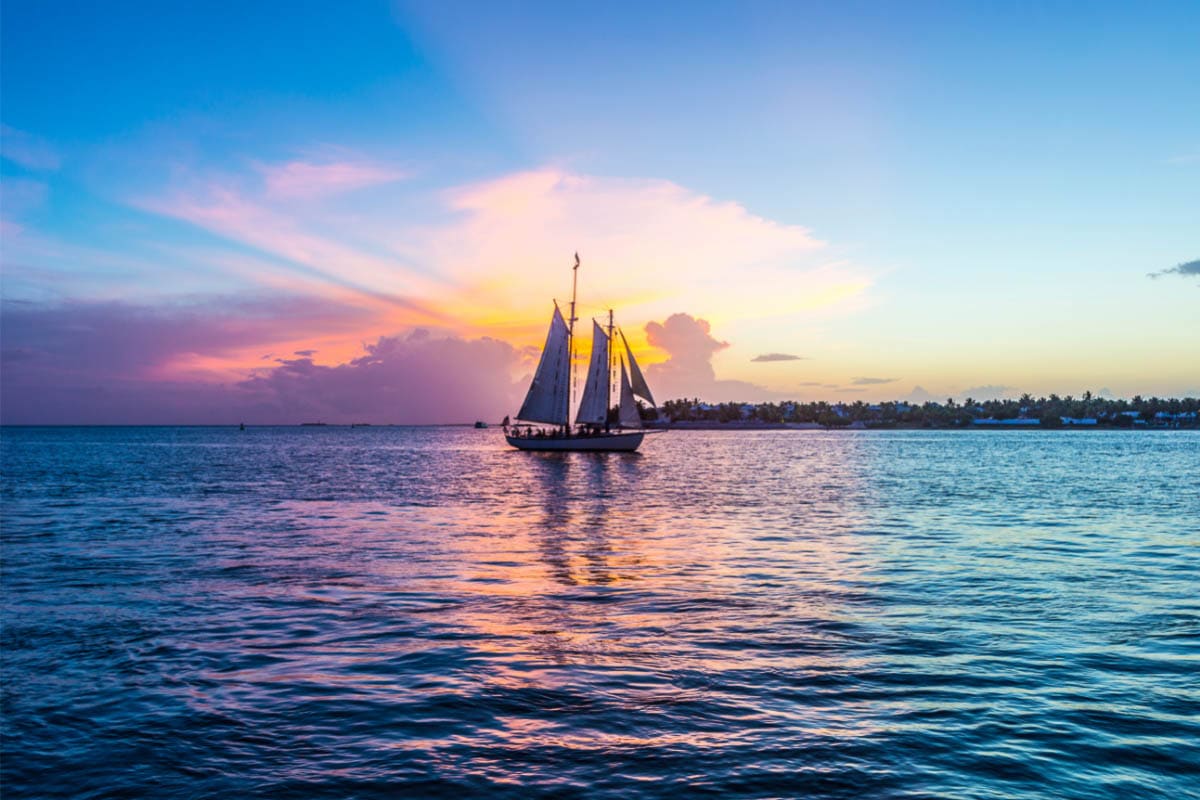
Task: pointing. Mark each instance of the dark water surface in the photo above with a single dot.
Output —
(392, 612)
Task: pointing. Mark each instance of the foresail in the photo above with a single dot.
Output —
(593, 407)
(638, 383)
(547, 397)
(628, 413)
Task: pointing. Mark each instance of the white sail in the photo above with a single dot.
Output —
(593, 407)
(547, 397)
(628, 413)
(638, 384)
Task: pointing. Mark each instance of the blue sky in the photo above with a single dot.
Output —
(977, 182)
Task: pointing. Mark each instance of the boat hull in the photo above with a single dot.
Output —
(602, 443)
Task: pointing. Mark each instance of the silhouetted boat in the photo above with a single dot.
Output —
(549, 400)
(480, 423)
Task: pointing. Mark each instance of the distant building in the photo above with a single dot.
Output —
(1078, 421)
(1175, 420)
(1016, 422)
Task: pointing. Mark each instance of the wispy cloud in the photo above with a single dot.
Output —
(872, 381)
(26, 150)
(1190, 157)
(487, 257)
(770, 357)
(1187, 269)
(302, 239)
(20, 196)
(305, 179)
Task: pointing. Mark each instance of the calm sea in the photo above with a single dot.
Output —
(405, 612)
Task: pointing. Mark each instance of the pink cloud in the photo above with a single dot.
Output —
(649, 246)
(103, 363)
(301, 239)
(102, 340)
(497, 251)
(303, 179)
(416, 378)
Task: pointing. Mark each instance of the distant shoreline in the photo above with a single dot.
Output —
(816, 426)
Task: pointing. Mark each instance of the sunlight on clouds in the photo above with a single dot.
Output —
(649, 247)
(488, 257)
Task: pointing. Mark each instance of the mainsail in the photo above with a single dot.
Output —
(638, 384)
(628, 413)
(593, 407)
(547, 398)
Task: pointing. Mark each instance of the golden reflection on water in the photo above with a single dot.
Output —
(578, 575)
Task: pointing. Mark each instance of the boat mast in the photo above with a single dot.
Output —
(611, 372)
(571, 346)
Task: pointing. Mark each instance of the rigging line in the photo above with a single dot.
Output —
(603, 309)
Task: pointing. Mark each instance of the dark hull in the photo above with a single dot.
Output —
(601, 443)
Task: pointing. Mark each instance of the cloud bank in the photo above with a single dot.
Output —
(112, 363)
(416, 378)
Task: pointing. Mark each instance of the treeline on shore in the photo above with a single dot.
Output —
(1044, 412)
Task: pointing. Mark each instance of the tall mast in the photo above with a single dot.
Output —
(571, 344)
(611, 372)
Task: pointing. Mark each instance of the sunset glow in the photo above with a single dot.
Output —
(407, 178)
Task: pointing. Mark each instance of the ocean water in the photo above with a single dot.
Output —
(407, 612)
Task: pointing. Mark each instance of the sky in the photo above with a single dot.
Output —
(223, 212)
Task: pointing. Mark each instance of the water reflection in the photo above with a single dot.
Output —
(551, 472)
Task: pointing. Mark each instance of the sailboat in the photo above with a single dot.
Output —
(549, 399)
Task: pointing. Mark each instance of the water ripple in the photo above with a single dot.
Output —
(389, 612)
